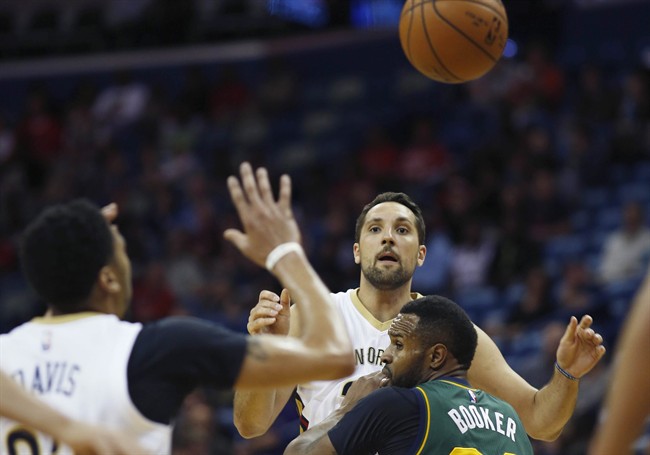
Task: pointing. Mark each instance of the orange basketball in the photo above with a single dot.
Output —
(453, 41)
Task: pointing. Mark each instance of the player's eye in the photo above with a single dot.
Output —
(399, 346)
(402, 230)
(374, 229)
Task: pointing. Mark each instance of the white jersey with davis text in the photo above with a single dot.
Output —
(316, 400)
(77, 364)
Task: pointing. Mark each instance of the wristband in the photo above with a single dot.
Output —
(281, 251)
(565, 373)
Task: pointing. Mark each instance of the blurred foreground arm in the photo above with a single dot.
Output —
(16, 404)
(271, 239)
(627, 405)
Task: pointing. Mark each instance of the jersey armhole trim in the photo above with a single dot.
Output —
(425, 414)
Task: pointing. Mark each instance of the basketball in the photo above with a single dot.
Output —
(453, 41)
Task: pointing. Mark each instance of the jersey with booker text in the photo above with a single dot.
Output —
(457, 419)
(84, 380)
(316, 400)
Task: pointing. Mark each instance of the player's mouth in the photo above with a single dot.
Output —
(387, 380)
(387, 257)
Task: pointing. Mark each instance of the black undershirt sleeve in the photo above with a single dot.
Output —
(387, 419)
(173, 356)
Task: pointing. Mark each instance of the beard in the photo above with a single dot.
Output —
(386, 280)
(409, 378)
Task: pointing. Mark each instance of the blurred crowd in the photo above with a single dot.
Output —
(535, 184)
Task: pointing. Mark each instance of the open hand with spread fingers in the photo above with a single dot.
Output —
(267, 223)
(580, 347)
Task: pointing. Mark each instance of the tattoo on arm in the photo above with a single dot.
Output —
(255, 349)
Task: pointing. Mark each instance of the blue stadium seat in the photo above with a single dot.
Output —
(477, 302)
(642, 172)
(595, 198)
(635, 191)
(608, 218)
(619, 295)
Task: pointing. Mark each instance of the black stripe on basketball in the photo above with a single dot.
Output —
(468, 38)
(485, 5)
(454, 78)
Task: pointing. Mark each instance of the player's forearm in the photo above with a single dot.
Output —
(321, 326)
(315, 441)
(255, 411)
(18, 405)
(551, 408)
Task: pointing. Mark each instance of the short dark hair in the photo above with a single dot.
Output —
(443, 321)
(400, 198)
(63, 250)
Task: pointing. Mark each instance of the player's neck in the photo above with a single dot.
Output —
(383, 305)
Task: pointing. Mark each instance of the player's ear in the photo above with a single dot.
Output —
(422, 253)
(356, 253)
(437, 356)
(108, 281)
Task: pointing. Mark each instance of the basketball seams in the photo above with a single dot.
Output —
(462, 33)
(484, 5)
(408, 35)
(431, 47)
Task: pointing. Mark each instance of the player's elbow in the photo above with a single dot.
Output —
(546, 434)
(249, 429)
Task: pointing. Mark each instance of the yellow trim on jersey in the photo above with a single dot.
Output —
(458, 385)
(367, 315)
(426, 432)
(63, 318)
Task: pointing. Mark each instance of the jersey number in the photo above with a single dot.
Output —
(469, 451)
(21, 437)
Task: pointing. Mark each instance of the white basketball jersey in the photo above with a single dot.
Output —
(316, 400)
(78, 365)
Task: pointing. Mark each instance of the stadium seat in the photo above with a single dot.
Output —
(478, 302)
(608, 218)
(635, 191)
(595, 198)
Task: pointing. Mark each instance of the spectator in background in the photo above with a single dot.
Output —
(120, 104)
(596, 103)
(626, 248)
(378, 156)
(514, 253)
(547, 212)
(536, 302)
(152, 297)
(470, 260)
(39, 138)
(630, 142)
(425, 160)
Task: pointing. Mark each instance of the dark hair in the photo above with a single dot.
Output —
(63, 250)
(443, 321)
(400, 198)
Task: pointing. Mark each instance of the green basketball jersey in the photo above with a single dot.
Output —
(458, 420)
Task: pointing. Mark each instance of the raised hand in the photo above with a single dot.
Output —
(271, 314)
(267, 223)
(580, 347)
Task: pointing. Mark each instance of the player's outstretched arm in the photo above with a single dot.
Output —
(16, 404)
(271, 239)
(627, 404)
(543, 412)
(254, 411)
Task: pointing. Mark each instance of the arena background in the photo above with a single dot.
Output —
(525, 175)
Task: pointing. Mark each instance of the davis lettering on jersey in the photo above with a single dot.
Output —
(49, 377)
(471, 417)
(370, 355)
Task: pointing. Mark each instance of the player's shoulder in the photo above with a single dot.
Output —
(343, 298)
(390, 397)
